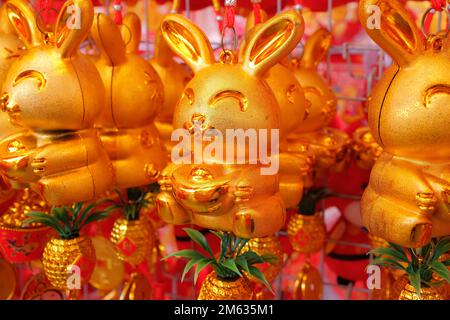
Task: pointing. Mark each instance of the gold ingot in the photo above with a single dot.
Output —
(56, 94)
(405, 201)
(174, 78)
(308, 285)
(60, 258)
(331, 147)
(307, 233)
(214, 288)
(268, 245)
(292, 109)
(133, 96)
(134, 239)
(227, 95)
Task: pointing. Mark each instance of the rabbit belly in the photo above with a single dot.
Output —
(403, 204)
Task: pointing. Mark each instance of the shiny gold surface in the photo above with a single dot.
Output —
(133, 96)
(133, 239)
(137, 288)
(238, 198)
(365, 148)
(308, 285)
(407, 200)
(331, 147)
(216, 289)
(109, 271)
(57, 94)
(307, 233)
(408, 292)
(268, 245)
(174, 78)
(60, 254)
(292, 109)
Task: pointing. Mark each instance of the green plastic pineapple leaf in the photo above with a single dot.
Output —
(421, 264)
(229, 264)
(67, 221)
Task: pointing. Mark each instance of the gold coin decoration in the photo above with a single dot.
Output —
(109, 271)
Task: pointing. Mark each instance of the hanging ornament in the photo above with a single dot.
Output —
(109, 271)
(264, 246)
(408, 196)
(69, 260)
(132, 235)
(20, 244)
(61, 155)
(39, 288)
(227, 95)
(137, 288)
(133, 96)
(214, 288)
(295, 167)
(331, 147)
(308, 285)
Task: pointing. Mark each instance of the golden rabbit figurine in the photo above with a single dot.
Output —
(330, 146)
(133, 98)
(407, 199)
(214, 193)
(56, 94)
(174, 77)
(295, 166)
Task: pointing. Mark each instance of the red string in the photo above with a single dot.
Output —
(117, 7)
(438, 5)
(219, 19)
(257, 12)
(230, 13)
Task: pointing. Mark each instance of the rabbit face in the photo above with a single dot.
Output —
(131, 83)
(408, 110)
(226, 96)
(51, 87)
(322, 108)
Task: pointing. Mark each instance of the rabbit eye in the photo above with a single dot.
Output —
(31, 74)
(434, 90)
(313, 90)
(239, 96)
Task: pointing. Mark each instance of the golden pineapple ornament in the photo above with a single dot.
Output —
(232, 267)
(407, 200)
(264, 246)
(220, 194)
(426, 274)
(69, 260)
(132, 235)
(331, 147)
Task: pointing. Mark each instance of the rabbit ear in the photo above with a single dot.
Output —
(108, 39)
(272, 41)
(187, 41)
(390, 25)
(131, 32)
(316, 48)
(163, 53)
(72, 26)
(23, 20)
